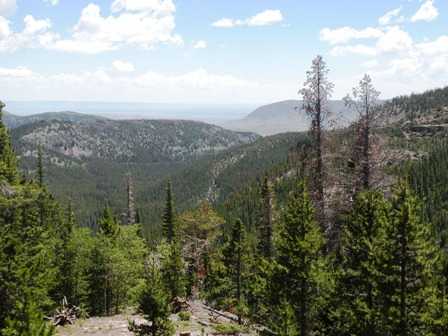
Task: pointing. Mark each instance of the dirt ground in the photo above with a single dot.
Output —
(200, 323)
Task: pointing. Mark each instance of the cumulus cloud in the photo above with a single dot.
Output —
(200, 45)
(265, 18)
(33, 35)
(5, 31)
(123, 66)
(142, 24)
(7, 7)
(387, 18)
(346, 34)
(394, 40)
(427, 12)
(33, 26)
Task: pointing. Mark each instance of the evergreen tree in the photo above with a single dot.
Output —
(109, 225)
(28, 319)
(236, 260)
(364, 160)
(316, 92)
(40, 167)
(408, 265)
(266, 219)
(153, 303)
(8, 161)
(169, 215)
(300, 264)
(172, 270)
(360, 280)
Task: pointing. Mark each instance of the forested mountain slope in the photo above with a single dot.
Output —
(87, 160)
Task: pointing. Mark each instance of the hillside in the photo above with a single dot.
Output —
(13, 121)
(87, 160)
(279, 117)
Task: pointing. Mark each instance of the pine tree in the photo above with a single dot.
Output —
(154, 304)
(364, 160)
(172, 270)
(361, 278)
(28, 319)
(266, 219)
(236, 260)
(109, 225)
(300, 264)
(316, 92)
(169, 215)
(40, 167)
(408, 265)
(8, 161)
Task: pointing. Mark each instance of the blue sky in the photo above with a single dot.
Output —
(216, 51)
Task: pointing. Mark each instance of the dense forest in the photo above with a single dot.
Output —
(344, 233)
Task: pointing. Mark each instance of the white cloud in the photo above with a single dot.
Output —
(33, 35)
(52, 2)
(433, 48)
(346, 34)
(358, 49)
(200, 45)
(33, 26)
(5, 31)
(123, 66)
(89, 85)
(265, 18)
(387, 18)
(427, 12)
(370, 64)
(157, 7)
(7, 7)
(18, 72)
(394, 40)
(141, 24)
(198, 79)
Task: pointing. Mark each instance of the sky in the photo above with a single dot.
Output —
(216, 51)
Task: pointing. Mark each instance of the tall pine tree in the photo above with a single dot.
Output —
(300, 263)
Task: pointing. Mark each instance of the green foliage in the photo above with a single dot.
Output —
(359, 283)
(8, 160)
(109, 225)
(153, 303)
(27, 319)
(407, 265)
(173, 268)
(283, 321)
(183, 316)
(227, 328)
(169, 216)
(236, 255)
(300, 264)
(266, 218)
(199, 229)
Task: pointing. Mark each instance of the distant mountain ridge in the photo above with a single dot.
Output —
(13, 121)
(126, 140)
(280, 117)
